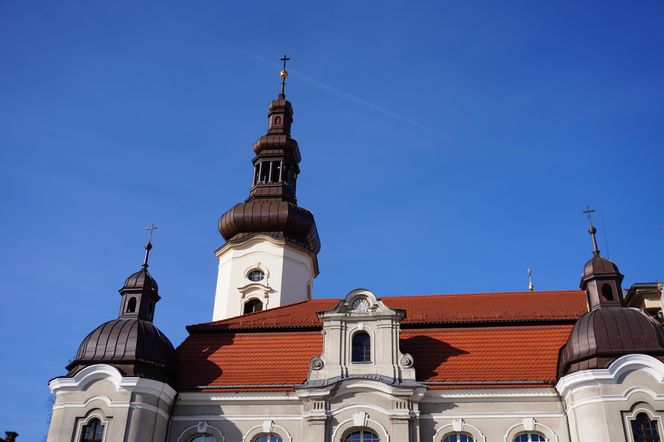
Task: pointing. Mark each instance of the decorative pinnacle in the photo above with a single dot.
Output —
(531, 286)
(283, 74)
(148, 245)
(592, 230)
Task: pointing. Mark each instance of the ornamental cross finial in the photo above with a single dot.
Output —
(283, 74)
(148, 246)
(592, 230)
(151, 228)
(589, 214)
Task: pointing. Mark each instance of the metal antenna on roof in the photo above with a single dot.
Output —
(592, 230)
(283, 74)
(148, 245)
(531, 286)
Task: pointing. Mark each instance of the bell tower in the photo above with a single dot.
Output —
(269, 258)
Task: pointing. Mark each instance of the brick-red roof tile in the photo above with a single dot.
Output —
(461, 341)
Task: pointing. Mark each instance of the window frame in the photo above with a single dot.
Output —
(639, 408)
(353, 335)
(458, 434)
(95, 414)
(529, 433)
(255, 438)
(362, 430)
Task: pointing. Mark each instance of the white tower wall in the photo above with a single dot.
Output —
(289, 273)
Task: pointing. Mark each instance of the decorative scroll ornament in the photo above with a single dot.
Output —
(316, 363)
(406, 360)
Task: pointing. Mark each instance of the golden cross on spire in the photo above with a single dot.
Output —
(283, 74)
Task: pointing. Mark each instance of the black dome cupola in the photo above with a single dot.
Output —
(132, 343)
(601, 279)
(140, 292)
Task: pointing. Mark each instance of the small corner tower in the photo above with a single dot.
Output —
(601, 279)
(270, 255)
(609, 329)
(122, 383)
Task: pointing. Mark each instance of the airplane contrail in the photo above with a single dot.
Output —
(344, 95)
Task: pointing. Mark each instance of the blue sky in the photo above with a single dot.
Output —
(447, 146)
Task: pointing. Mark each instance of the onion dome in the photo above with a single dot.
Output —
(132, 343)
(271, 208)
(603, 335)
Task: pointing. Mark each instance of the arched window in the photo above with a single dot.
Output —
(644, 429)
(529, 437)
(268, 438)
(362, 436)
(458, 437)
(131, 305)
(361, 347)
(607, 292)
(204, 438)
(93, 431)
(252, 306)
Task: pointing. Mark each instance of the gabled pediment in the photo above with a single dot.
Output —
(361, 304)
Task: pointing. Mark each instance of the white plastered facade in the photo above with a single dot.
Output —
(289, 273)
(130, 408)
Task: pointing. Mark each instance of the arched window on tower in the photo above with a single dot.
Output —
(131, 305)
(607, 292)
(644, 429)
(252, 306)
(93, 431)
(361, 347)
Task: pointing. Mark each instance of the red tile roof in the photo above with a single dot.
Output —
(457, 341)
(431, 309)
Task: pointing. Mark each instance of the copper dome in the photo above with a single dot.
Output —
(598, 265)
(135, 346)
(141, 280)
(289, 221)
(603, 335)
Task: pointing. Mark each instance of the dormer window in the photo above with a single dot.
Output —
(256, 275)
(361, 347)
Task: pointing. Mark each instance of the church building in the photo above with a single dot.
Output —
(276, 364)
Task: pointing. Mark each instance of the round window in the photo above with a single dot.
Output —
(256, 275)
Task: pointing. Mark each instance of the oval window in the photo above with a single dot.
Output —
(256, 275)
